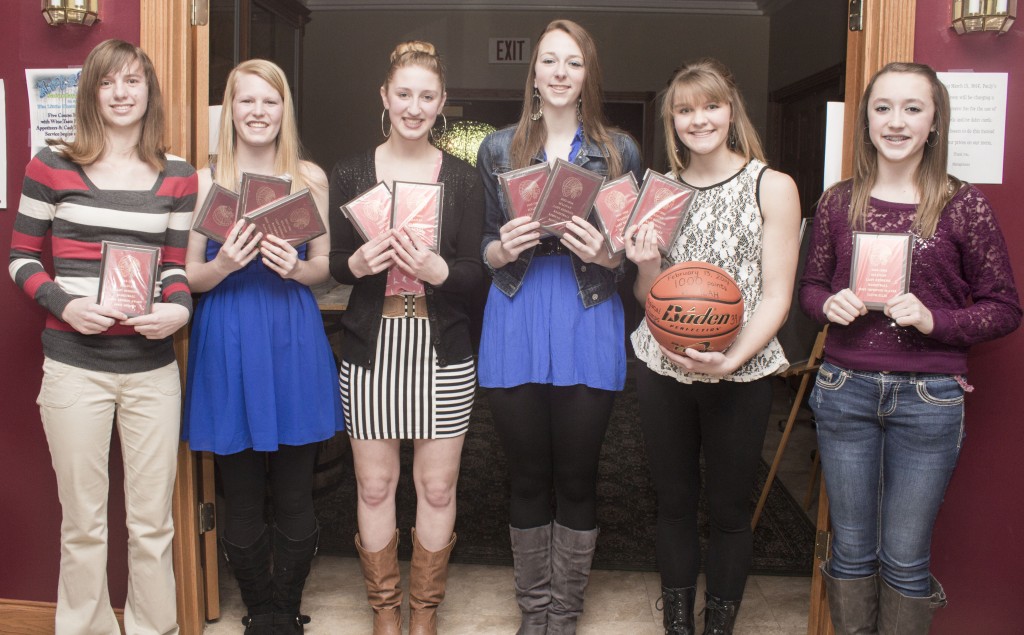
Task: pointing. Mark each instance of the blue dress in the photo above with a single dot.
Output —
(260, 369)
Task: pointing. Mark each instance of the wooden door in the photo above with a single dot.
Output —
(179, 51)
(886, 35)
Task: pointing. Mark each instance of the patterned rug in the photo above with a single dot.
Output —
(783, 541)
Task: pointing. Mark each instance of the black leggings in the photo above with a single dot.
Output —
(727, 420)
(552, 437)
(243, 477)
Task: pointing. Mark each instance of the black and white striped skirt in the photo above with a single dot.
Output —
(407, 395)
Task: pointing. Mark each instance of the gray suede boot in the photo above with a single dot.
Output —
(571, 555)
(899, 614)
(531, 557)
(853, 604)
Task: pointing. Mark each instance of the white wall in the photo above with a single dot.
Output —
(346, 54)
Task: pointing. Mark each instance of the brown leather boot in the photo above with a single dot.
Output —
(380, 571)
(428, 575)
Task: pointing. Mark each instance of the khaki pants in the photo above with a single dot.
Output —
(78, 409)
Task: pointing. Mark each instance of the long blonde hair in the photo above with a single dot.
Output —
(415, 53)
(707, 79)
(530, 135)
(108, 57)
(288, 158)
(934, 185)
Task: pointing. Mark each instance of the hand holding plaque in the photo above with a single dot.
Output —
(663, 201)
(614, 204)
(370, 212)
(523, 188)
(416, 209)
(218, 213)
(294, 218)
(570, 191)
(880, 267)
(128, 277)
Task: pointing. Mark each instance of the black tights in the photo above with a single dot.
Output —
(726, 420)
(552, 437)
(243, 477)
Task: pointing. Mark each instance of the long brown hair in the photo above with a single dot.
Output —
(934, 185)
(530, 135)
(707, 79)
(288, 159)
(109, 57)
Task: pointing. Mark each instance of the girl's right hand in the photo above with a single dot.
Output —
(516, 236)
(642, 247)
(240, 247)
(844, 307)
(373, 257)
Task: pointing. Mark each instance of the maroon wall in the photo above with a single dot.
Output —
(978, 550)
(30, 516)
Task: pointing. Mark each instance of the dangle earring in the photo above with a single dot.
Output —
(579, 110)
(731, 140)
(434, 136)
(932, 142)
(387, 133)
(539, 113)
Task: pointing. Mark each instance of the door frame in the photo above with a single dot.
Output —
(887, 36)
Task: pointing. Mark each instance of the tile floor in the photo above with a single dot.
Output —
(481, 600)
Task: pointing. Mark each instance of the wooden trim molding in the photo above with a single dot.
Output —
(888, 36)
(23, 617)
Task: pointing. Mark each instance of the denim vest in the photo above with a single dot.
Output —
(596, 283)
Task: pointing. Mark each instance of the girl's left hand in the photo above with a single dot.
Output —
(584, 240)
(714, 364)
(414, 258)
(907, 310)
(279, 256)
(165, 319)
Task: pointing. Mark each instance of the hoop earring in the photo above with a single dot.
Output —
(935, 141)
(388, 133)
(539, 113)
(433, 135)
(579, 109)
(731, 140)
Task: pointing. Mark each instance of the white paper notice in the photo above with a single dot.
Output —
(51, 104)
(3, 146)
(977, 128)
(835, 113)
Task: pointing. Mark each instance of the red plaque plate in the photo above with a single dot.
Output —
(570, 191)
(128, 277)
(218, 213)
(614, 203)
(293, 218)
(523, 188)
(370, 212)
(417, 210)
(664, 202)
(880, 267)
(258, 191)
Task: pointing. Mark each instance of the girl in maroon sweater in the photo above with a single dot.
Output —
(889, 396)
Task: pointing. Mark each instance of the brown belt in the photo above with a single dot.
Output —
(413, 306)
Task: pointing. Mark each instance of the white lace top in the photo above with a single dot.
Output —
(724, 228)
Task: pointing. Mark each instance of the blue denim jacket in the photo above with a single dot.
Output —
(596, 283)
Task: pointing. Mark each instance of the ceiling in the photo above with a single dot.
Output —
(719, 7)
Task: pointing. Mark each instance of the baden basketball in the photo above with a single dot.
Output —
(694, 305)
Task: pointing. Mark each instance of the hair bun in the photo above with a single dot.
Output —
(413, 47)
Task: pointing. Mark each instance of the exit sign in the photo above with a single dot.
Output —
(508, 50)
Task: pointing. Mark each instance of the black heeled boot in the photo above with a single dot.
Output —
(251, 567)
(677, 610)
(292, 561)
(719, 615)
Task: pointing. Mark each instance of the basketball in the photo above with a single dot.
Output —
(694, 305)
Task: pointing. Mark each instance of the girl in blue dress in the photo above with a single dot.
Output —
(552, 351)
(261, 387)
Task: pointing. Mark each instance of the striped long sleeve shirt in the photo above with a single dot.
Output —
(59, 199)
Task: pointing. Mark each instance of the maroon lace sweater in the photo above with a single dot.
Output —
(962, 274)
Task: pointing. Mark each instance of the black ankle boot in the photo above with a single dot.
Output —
(677, 610)
(251, 566)
(719, 615)
(292, 561)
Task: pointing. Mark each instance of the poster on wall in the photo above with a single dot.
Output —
(3, 146)
(977, 126)
(51, 104)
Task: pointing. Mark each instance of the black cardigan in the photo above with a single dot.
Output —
(461, 227)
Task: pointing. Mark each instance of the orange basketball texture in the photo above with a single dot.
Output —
(694, 305)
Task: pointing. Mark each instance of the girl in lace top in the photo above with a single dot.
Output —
(905, 361)
(745, 219)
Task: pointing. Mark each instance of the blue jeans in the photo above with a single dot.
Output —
(888, 444)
